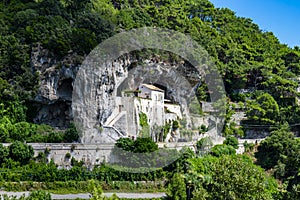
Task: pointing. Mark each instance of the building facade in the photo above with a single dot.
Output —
(147, 99)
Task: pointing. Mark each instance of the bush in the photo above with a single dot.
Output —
(222, 149)
(4, 134)
(71, 134)
(204, 144)
(39, 195)
(231, 177)
(175, 125)
(21, 152)
(3, 153)
(232, 141)
(202, 129)
(248, 146)
(22, 131)
(176, 188)
(55, 137)
(68, 155)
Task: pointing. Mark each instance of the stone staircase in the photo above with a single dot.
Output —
(112, 132)
(112, 120)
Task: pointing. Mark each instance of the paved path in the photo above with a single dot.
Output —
(87, 195)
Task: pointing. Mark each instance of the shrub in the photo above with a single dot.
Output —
(21, 152)
(232, 141)
(222, 149)
(204, 144)
(176, 188)
(68, 155)
(71, 134)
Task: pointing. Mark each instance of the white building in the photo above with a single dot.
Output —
(151, 92)
(149, 100)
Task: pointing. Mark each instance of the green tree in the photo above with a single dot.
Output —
(105, 8)
(176, 188)
(71, 134)
(141, 152)
(204, 145)
(264, 109)
(145, 132)
(4, 133)
(280, 151)
(20, 152)
(55, 137)
(144, 145)
(97, 192)
(6, 127)
(232, 141)
(295, 193)
(231, 177)
(222, 149)
(14, 65)
(22, 131)
(38, 195)
(271, 148)
(126, 144)
(3, 154)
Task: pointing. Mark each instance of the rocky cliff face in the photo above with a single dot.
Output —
(54, 96)
(97, 86)
(96, 95)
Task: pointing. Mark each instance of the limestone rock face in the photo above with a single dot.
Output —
(55, 90)
(98, 87)
(92, 102)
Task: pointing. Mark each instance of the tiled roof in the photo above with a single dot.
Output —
(152, 87)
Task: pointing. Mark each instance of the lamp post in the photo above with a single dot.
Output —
(189, 187)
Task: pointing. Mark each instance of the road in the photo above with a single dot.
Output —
(87, 195)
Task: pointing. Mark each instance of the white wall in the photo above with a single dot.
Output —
(174, 109)
(153, 109)
(144, 92)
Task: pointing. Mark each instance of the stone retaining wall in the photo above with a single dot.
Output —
(93, 154)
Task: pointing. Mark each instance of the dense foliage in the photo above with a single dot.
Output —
(141, 153)
(247, 57)
(255, 67)
(280, 153)
(177, 187)
(140, 145)
(206, 174)
(230, 177)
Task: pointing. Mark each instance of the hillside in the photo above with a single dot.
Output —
(46, 40)
(42, 46)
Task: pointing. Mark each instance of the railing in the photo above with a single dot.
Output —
(116, 130)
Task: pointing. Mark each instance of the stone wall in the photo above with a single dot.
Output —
(241, 148)
(91, 154)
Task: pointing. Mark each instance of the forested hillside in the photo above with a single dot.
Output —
(247, 58)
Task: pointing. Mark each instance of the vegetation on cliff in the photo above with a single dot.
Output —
(255, 67)
(247, 57)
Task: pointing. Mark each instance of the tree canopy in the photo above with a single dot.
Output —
(256, 68)
(247, 57)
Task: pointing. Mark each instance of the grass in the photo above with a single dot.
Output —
(75, 187)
